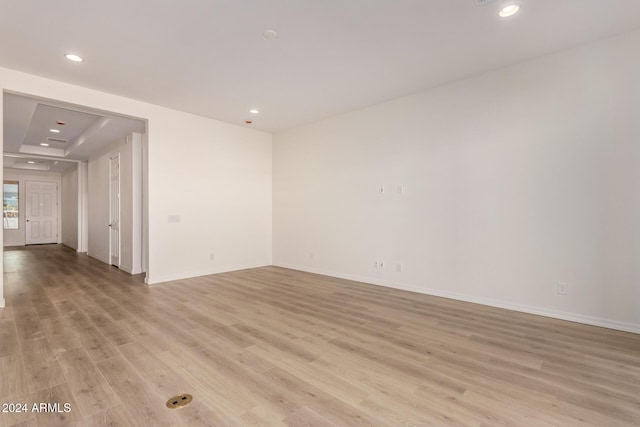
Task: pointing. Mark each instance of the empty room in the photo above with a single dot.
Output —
(320, 213)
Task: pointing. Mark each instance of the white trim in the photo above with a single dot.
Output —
(136, 202)
(150, 281)
(67, 246)
(83, 207)
(2, 303)
(99, 258)
(562, 315)
(111, 201)
(129, 270)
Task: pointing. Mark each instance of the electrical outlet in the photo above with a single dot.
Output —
(381, 189)
(378, 264)
(400, 189)
(311, 255)
(563, 288)
(212, 257)
(399, 268)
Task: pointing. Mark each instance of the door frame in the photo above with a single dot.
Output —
(111, 159)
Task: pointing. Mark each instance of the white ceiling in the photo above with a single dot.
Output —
(209, 57)
(28, 122)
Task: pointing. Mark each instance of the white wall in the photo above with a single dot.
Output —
(217, 180)
(513, 180)
(69, 207)
(136, 208)
(216, 176)
(18, 237)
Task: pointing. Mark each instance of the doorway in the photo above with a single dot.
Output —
(100, 157)
(41, 212)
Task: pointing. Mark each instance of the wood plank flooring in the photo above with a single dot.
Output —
(276, 347)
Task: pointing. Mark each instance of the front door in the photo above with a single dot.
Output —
(114, 210)
(42, 213)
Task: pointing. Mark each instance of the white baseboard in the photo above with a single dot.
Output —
(99, 258)
(69, 246)
(540, 311)
(153, 280)
(130, 270)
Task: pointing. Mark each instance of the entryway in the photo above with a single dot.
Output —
(74, 175)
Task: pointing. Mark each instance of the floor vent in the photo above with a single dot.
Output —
(179, 401)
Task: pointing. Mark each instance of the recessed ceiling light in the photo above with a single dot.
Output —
(73, 57)
(54, 130)
(509, 10)
(31, 162)
(44, 144)
(269, 34)
(254, 111)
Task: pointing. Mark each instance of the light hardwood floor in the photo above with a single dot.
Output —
(271, 346)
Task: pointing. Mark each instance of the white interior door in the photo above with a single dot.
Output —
(42, 212)
(114, 210)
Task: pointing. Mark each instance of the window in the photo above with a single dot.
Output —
(10, 218)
